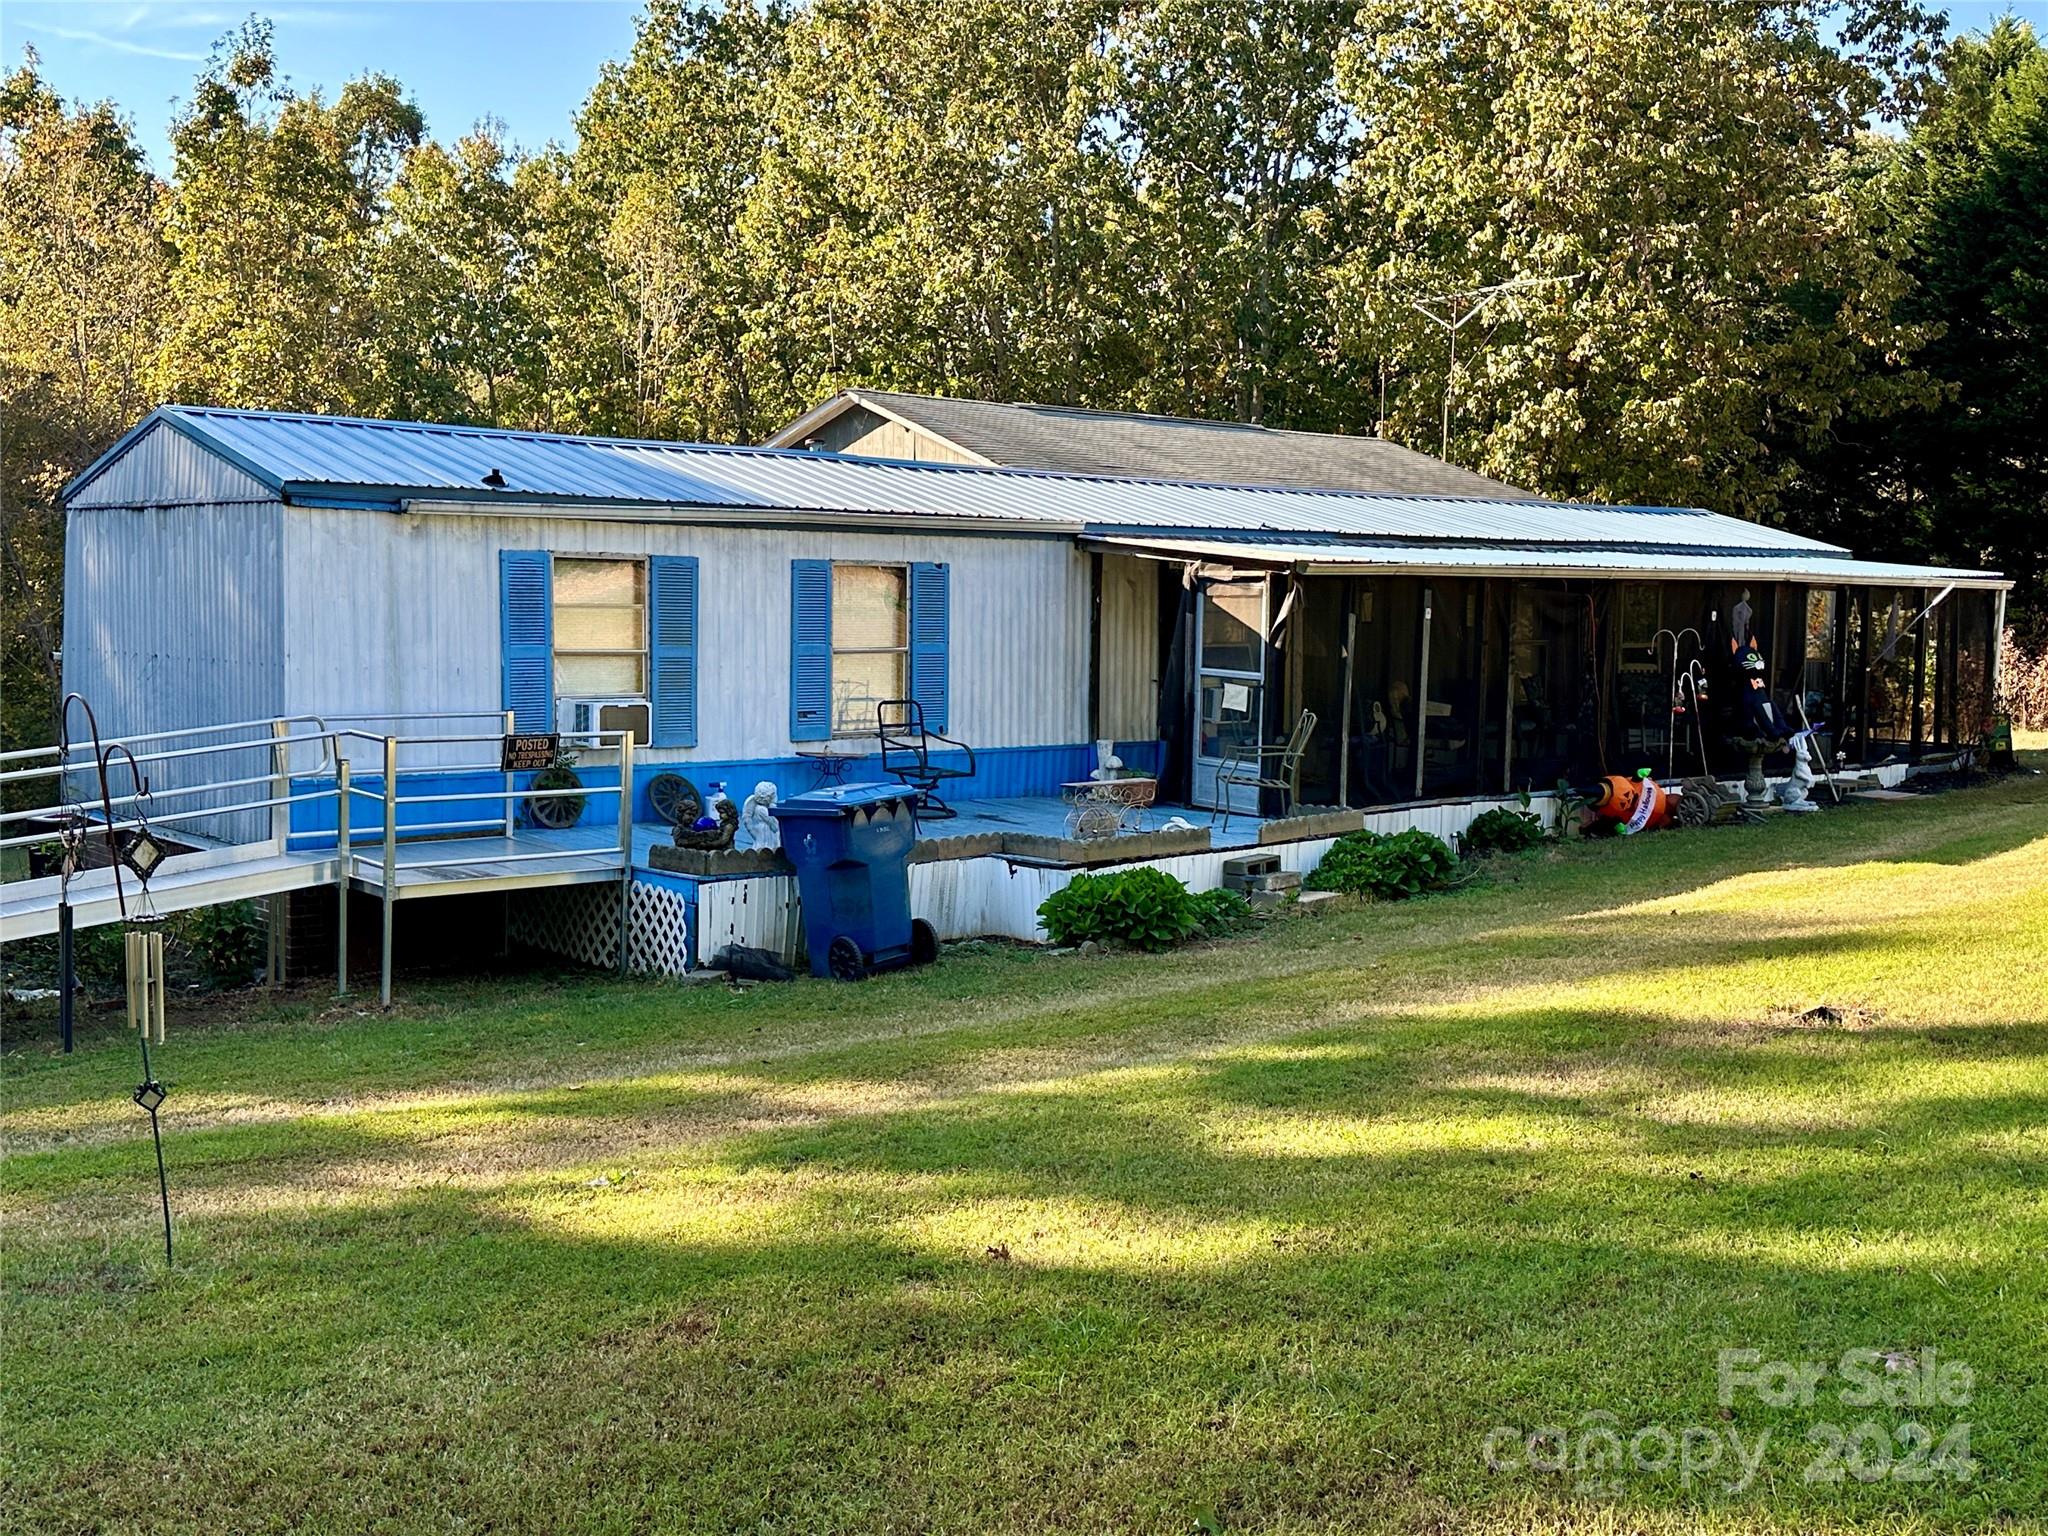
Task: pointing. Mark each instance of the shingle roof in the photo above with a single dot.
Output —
(1084, 442)
(339, 461)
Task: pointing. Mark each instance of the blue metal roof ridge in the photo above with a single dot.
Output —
(183, 416)
(320, 460)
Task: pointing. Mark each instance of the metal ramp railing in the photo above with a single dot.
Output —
(308, 765)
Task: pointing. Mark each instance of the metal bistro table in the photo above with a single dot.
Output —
(832, 759)
(1107, 807)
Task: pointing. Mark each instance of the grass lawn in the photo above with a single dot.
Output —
(1274, 1234)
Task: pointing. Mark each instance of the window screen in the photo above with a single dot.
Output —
(870, 643)
(600, 627)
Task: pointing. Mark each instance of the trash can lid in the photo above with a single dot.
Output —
(842, 798)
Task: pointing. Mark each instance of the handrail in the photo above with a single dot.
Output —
(418, 714)
(29, 839)
(267, 723)
(58, 770)
(44, 813)
(279, 734)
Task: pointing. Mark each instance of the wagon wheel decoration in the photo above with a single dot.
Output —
(675, 799)
(555, 812)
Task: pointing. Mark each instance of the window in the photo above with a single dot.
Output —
(1233, 624)
(870, 643)
(600, 628)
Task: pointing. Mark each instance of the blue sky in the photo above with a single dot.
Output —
(529, 63)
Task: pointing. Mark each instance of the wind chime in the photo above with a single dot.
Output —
(143, 943)
(136, 849)
(131, 846)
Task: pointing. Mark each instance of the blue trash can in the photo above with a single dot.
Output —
(851, 848)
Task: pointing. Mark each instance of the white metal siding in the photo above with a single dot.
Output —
(172, 618)
(1130, 648)
(400, 612)
(973, 898)
(164, 467)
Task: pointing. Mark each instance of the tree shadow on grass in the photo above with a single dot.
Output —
(473, 1354)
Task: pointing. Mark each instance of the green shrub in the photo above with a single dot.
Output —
(1385, 868)
(209, 947)
(1145, 908)
(227, 945)
(1500, 831)
(1220, 912)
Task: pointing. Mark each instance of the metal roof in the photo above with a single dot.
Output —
(337, 460)
(1073, 440)
(1333, 557)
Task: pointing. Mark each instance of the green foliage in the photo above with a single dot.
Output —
(1219, 913)
(1220, 210)
(1145, 908)
(1386, 868)
(81, 311)
(208, 947)
(1500, 831)
(275, 214)
(1712, 297)
(1961, 476)
(225, 945)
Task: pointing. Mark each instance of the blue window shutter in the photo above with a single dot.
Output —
(929, 683)
(526, 631)
(672, 601)
(810, 650)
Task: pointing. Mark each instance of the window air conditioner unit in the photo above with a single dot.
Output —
(582, 716)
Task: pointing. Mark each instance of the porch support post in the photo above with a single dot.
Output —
(511, 802)
(1996, 659)
(1095, 646)
(1920, 683)
(390, 860)
(342, 861)
(625, 852)
(281, 773)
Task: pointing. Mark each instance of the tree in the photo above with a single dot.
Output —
(1680, 161)
(940, 207)
(1229, 114)
(275, 218)
(82, 270)
(670, 148)
(1963, 477)
(449, 295)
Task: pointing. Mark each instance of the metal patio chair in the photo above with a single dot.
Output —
(1277, 768)
(907, 748)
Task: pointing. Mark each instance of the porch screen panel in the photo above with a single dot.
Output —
(1974, 617)
(1552, 686)
(1452, 706)
(1817, 679)
(1889, 680)
(1316, 649)
(1383, 689)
